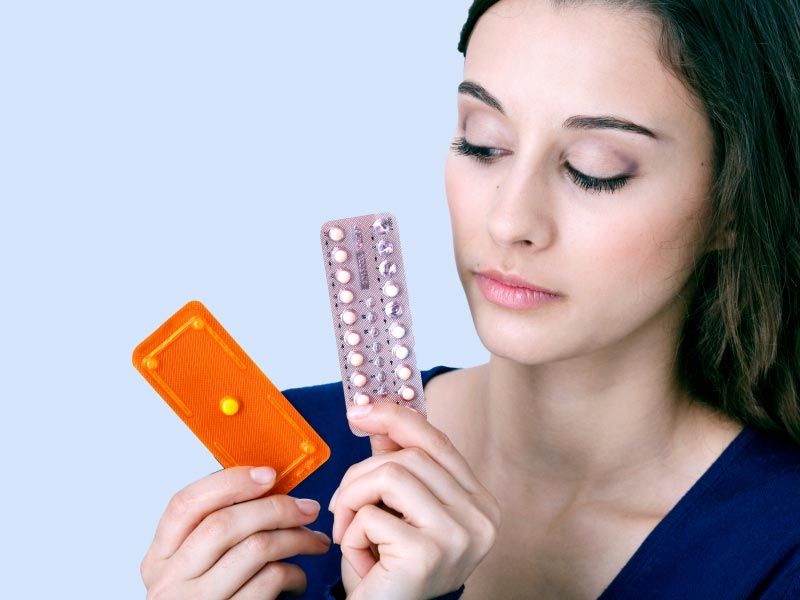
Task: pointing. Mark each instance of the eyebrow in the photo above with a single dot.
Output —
(470, 88)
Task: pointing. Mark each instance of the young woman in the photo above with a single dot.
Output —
(624, 192)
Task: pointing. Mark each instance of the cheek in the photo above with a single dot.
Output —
(647, 254)
(463, 203)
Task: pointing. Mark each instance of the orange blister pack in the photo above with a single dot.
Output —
(226, 400)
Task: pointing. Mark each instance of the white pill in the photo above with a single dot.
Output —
(339, 255)
(400, 351)
(349, 317)
(355, 358)
(346, 296)
(391, 289)
(407, 393)
(336, 234)
(397, 330)
(403, 372)
(361, 399)
(352, 338)
(358, 379)
(343, 276)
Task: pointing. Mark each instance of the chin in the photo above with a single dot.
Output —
(518, 336)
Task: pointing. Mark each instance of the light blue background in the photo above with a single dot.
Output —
(157, 152)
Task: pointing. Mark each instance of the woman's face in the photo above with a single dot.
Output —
(619, 259)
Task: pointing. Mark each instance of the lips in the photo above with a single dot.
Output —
(510, 294)
(515, 281)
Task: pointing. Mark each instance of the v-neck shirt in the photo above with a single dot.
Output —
(734, 534)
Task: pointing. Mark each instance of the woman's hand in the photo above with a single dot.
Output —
(442, 521)
(219, 539)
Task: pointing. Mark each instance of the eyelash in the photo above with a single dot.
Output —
(485, 156)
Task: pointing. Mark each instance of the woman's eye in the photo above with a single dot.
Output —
(596, 184)
(487, 155)
(480, 153)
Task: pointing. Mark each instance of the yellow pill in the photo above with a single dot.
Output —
(229, 406)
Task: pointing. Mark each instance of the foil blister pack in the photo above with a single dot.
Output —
(371, 313)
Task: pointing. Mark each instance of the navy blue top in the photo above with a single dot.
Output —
(734, 534)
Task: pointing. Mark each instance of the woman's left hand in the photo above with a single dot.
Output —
(442, 522)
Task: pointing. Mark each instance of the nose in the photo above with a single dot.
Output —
(520, 214)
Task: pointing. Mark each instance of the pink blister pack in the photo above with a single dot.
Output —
(371, 312)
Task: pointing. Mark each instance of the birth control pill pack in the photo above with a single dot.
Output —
(371, 312)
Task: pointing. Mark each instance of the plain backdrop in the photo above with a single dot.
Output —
(157, 152)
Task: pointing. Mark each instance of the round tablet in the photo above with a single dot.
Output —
(381, 226)
(371, 317)
(400, 351)
(336, 234)
(349, 317)
(387, 268)
(345, 296)
(393, 309)
(403, 372)
(391, 289)
(361, 399)
(352, 338)
(229, 406)
(397, 331)
(355, 358)
(407, 393)
(343, 276)
(339, 255)
(370, 302)
(358, 379)
(383, 247)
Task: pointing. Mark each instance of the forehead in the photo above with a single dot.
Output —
(588, 58)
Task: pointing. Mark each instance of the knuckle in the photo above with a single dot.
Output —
(258, 543)
(415, 453)
(215, 525)
(389, 472)
(488, 531)
(459, 538)
(440, 442)
(278, 504)
(179, 505)
(144, 569)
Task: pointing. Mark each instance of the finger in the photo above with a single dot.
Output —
(249, 557)
(271, 580)
(416, 461)
(392, 484)
(409, 428)
(226, 527)
(373, 525)
(194, 502)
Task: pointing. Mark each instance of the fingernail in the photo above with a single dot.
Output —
(323, 537)
(262, 475)
(359, 410)
(333, 499)
(307, 506)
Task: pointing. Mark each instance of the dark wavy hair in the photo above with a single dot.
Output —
(739, 350)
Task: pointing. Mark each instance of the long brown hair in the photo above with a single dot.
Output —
(739, 350)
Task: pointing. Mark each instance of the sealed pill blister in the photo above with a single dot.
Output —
(371, 312)
(226, 400)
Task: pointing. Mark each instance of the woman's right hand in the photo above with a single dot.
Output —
(218, 539)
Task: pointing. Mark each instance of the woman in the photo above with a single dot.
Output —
(635, 432)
